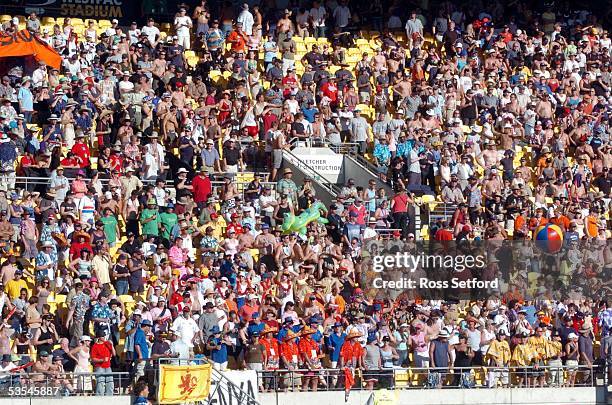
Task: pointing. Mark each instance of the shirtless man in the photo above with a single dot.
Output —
(246, 239)
(279, 143)
(402, 89)
(265, 241)
(283, 26)
(489, 158)
(492, 185)
(379, 61)
(544, 107)
(170, 123)
(524, 170)
(508, 134)
(158, 69)
(178, 96)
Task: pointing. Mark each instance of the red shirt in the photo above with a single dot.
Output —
(443, 234)
(400, 203)
(238, 41)
(288, 351)
(268, 119)
(235, 227)
(69, 162)
(101, 350)
(116, 163)
(330, 90)
(82, 152)
(75, 249)
(309, 349)
(351, 349)
(202, 188)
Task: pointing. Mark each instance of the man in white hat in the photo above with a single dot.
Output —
(183, 25)
(46, 264)
(246, 18)
(26, 99)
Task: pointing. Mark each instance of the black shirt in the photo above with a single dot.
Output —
(231, 156)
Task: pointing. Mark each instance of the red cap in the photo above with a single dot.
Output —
(396, 233)
(179, 84)
(234, 215)
(214, 215)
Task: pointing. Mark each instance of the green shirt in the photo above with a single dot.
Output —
(168, 220)
(152, 227)
(110, 228)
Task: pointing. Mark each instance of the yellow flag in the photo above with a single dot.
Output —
(179, 384)
(385, 397)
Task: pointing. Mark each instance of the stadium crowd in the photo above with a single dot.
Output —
(122, 248)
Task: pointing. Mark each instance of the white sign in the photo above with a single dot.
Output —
(323, 161)
(241, 391)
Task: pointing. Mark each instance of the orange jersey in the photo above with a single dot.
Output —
(351, 350)
(289, 351)
(534, 222)
(591, 226)
(309, 349)
(562, 221)
(272, 352)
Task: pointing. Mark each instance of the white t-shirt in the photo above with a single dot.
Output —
(133, 35)
(186, 329)
(317, 15)
(342, 14)
(152, 167)
(151, 33)
(180, 23)
(416, 166)
(246, 18)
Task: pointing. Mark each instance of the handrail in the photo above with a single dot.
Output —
(418, 377)
(365, 163)
(35, 384)
(329, 186)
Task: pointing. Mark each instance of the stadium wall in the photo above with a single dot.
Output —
(115, 400)
(516, 396)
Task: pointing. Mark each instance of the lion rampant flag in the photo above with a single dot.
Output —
(180, 384)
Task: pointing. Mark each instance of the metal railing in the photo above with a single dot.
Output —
(440, 378)
(51, 384)
(443, 211)
(37, 181)
(345, 148)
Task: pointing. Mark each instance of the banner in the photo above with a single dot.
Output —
(323, 161)
(180, 384)
(386, 397)
(242, 389)
(23, 43)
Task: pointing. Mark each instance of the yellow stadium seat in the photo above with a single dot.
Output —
(5, 18)
(59, 299)
(361, 42)
(126, 298)
(48, 20)
(59, 20)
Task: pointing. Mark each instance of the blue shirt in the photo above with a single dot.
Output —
(26, 99)
(334, 344)
(218, 355)
(309, 114)
(253, 327)
(140, 340)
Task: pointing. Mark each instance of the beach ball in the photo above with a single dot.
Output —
(549, 238)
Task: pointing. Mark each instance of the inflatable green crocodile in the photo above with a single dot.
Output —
(291, 223)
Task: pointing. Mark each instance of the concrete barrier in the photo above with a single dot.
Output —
(532, 396)
(115, 400)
